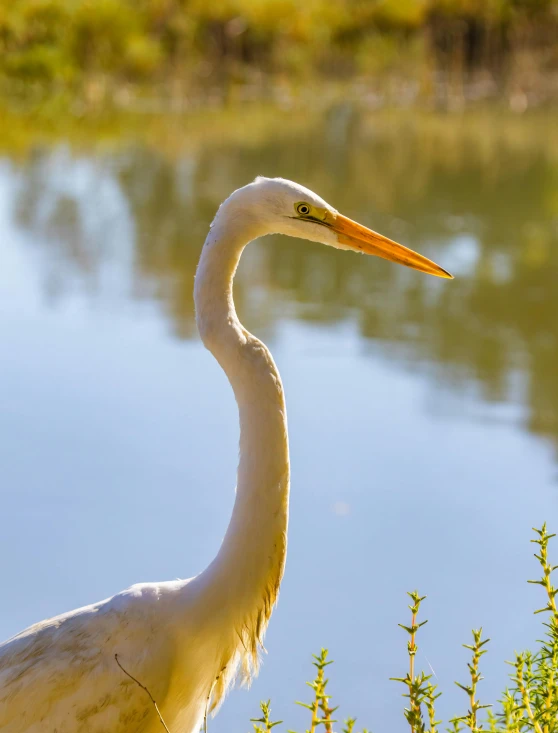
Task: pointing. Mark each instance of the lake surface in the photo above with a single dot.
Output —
(423, 413)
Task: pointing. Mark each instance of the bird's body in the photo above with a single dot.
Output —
(61, 675)
(186, 641)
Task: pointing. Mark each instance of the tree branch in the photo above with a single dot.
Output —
(143, 687)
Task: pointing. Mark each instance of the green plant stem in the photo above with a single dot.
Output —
(525, 694)
(412, 647)
(326, 710)
(549, 697)
(315, 718)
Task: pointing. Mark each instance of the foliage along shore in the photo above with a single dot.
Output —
(447, 52)
(530, 703)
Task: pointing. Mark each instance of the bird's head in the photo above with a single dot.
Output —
(278, 206)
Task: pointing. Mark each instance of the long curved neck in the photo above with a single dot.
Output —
(249, 566)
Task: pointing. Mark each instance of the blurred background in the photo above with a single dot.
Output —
(190, 51)
(423, 413)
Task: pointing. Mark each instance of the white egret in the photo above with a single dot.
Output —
(187, 640)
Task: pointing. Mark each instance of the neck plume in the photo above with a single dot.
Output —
(243, 580)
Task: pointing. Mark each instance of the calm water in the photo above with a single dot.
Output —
(423, 413)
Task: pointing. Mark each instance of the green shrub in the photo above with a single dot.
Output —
(530, 703)
(70, 41)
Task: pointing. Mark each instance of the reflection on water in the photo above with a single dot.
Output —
(132, 221)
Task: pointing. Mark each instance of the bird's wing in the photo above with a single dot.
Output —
(67, 663)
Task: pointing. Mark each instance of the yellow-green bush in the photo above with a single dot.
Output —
(66, 42)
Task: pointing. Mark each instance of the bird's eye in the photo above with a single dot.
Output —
(302, 209)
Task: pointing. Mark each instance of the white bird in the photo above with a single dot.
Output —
(186, 641)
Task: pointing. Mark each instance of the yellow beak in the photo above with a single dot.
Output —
(364, 240)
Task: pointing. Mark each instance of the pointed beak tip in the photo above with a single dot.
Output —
(446, 275)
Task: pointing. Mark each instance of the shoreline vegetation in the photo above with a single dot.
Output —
(176, 55)
(529, 703)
